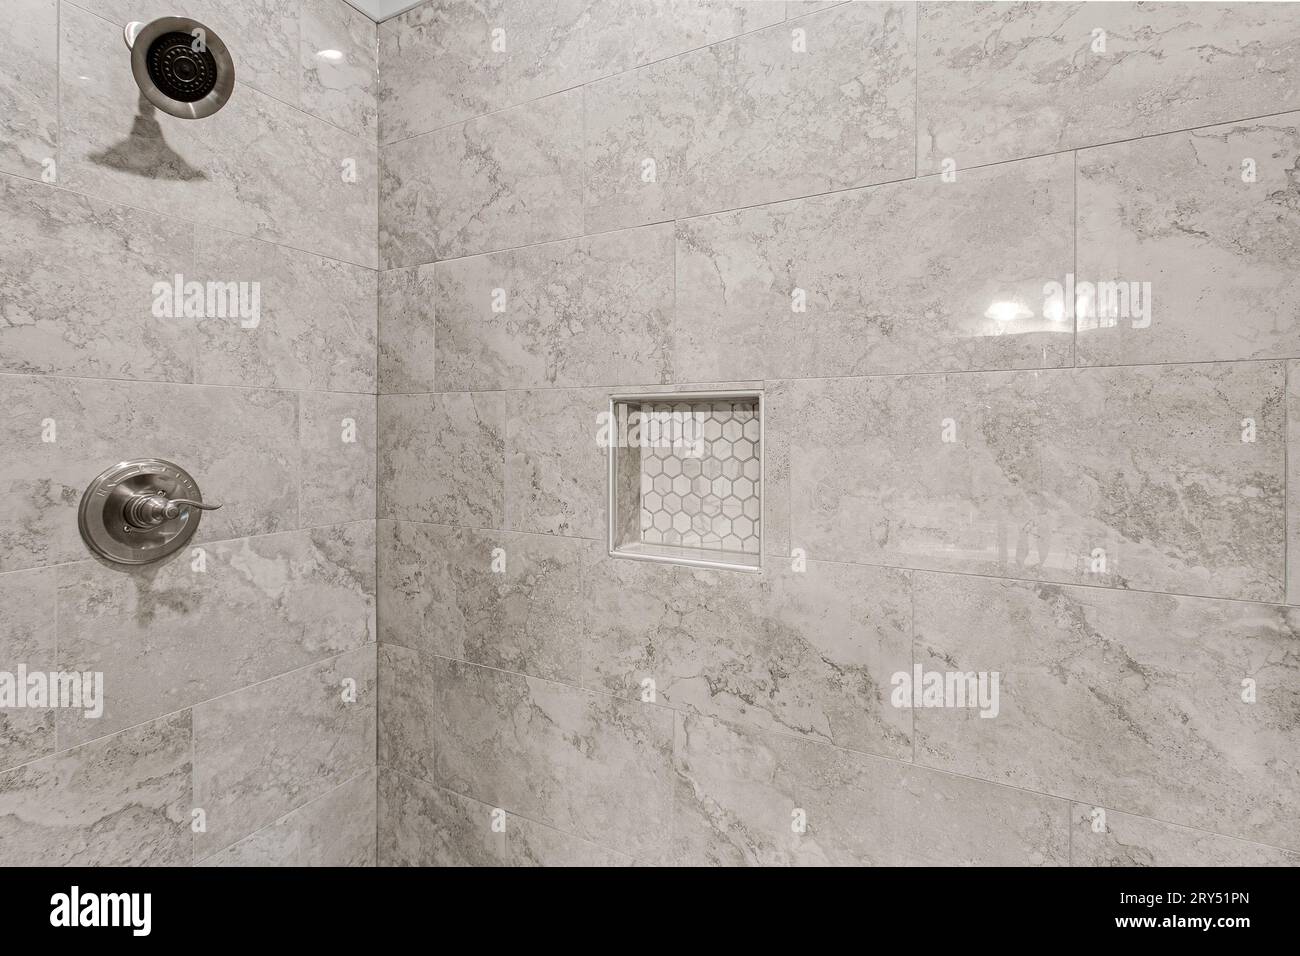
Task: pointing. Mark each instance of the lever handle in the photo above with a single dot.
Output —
(144, 512)
(193, 504)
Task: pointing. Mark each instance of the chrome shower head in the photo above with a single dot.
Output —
(181, 66)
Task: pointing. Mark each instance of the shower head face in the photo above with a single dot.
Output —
(181, 66)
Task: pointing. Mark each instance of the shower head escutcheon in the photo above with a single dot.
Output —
(181, 66)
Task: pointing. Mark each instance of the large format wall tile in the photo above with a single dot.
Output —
(512, 601)
(1293, 482)
(241, 445)
(807, 653)
(406, 330)
(442, 458)
(445, 62)
(751, 120)
(120, 801)
(424, 825)
(1131, 701)
(334, 830)
(270, 748)
(316, 321)
(77, 278)
(737, 793)
(1138, 841)
(590, 311)
(259, 167)
(556, 462)
(29, 96)
(591, 765)
(1129, 477)
(406, 702)
(167, 636)
(27, 639)
(508, 179)
(923, 275)
(262, 35)
(339, 79)
(529, 843)
(1000, 81)
(1219, 252)
(339, 440)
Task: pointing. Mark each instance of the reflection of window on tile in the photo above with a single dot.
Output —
(686, 478)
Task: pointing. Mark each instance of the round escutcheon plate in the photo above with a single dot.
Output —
(103, 519)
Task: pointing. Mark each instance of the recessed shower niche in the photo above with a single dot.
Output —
(686, 478)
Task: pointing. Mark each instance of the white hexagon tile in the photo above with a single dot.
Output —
(705, 493)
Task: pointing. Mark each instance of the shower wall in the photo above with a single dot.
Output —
(860, 208)
(231, 732)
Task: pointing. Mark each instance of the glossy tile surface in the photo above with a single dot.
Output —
(1130, 701)
(29, 129)
(1124, 477)
(121, 801)
(751, 120)
(272, 747)
(925, 275)
(442, 458)
(1000, 81)
(1218, 251)
(508, 179)
(511, 601)
(808, 654)
(167, 636)
(595, 311)
(27, 640)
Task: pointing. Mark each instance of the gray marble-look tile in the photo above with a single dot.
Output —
(337, 829)
(29, 95)
(406, 330)
(590, 311)
(120, 801)
(259, 167)
(1101, 837)
(77, 277)
(1000, 81)
(1127, 477)
(444, 62)
(534, 844)
(167, 636)
(778, 431)
(593, 766)
(740, 795)
(424, 825)
(27, 639)
(1208, 219)
(512, 601)
(925, 275)
(338, 437)
(1293, 482)
(262, 35)
(808, 653)
(241, 445)
(1136, 701)
(752, 120)
(442, 458)
(338, 54)
(406, 702)
(270, 748)
(508, 179)
(555, 463)
(314, 326)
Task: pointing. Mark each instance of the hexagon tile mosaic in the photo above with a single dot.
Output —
(710, 499)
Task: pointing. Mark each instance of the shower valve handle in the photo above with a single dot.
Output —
(143, 512)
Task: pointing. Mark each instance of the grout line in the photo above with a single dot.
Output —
(812, 742)
(920, 373)
(191, 707)
(285, 816)
(67, 377)
(589, 81)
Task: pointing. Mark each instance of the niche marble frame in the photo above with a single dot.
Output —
(626, 493)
